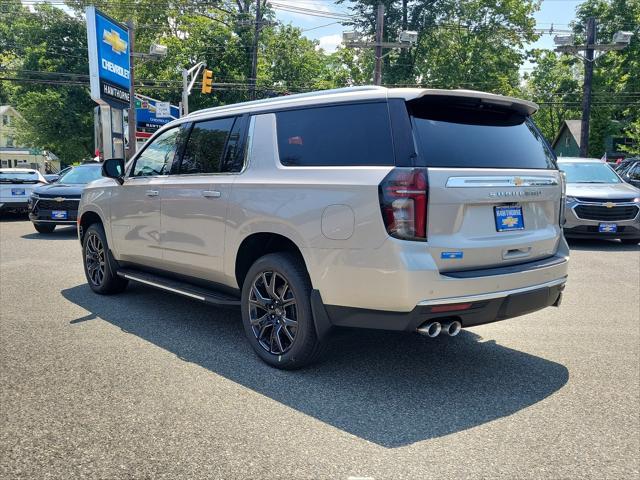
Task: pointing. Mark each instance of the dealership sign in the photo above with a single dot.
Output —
(109, 68)
(151, 115)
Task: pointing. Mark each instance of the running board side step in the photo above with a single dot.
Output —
(181, 288)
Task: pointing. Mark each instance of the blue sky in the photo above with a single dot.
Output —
(558, 12)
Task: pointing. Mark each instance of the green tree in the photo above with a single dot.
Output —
(39, 49)
(616, 84)
(553, 84)
(474, 44)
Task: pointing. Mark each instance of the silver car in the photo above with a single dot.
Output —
(401, 209)
(599, 204)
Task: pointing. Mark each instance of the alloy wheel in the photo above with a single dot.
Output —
(273, 312)
(95, 259)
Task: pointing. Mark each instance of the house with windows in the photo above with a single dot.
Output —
(13, 155)
(567, 141)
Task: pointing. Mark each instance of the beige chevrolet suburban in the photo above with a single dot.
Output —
(416, 210)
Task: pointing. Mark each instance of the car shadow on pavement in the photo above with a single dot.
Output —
(604, 245)
(60, 233)
(391, 389)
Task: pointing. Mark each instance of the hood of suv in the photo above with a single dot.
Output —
(60, 190)
(603, 191)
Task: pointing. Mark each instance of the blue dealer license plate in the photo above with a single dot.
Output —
(58, 214)
(18, 191)
(608, 228)
(509, 218)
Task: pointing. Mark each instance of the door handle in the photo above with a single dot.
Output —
(151, 193)
(211, 193)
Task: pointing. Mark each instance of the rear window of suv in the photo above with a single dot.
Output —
(474, 135)
(339, 135)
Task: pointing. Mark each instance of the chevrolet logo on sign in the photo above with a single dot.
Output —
(113, 39)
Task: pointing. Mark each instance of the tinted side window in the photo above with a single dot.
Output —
(157, 157)
(233, 160)
(205, 146)
(634, 173)
(342, 135)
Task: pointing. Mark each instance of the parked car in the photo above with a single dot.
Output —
(414, 210)
(599, 204)
(57, 203)
(630, 172)
(16, 185)
(54, 177)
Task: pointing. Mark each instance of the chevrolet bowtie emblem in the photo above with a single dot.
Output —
(113, 39)
(510, 221)
(609, 204)
(59, 199)
(517, 181)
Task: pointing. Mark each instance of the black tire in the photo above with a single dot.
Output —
(99, 266)
(44, 227)
(305, 347)
(629, 241)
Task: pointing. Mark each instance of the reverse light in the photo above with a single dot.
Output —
(403, 201)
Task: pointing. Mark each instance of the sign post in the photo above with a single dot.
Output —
(110, 76)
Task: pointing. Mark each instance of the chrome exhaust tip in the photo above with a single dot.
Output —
(452, 328)
(431, 329)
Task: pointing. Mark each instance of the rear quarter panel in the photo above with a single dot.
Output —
(317, 208)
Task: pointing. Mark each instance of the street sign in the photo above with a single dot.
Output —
(163, 110)
(109, 67)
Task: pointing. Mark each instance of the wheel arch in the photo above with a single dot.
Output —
(88, 218)
(258, 244)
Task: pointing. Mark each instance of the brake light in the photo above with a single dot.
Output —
(403, 201)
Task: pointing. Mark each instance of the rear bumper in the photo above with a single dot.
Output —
(471, 310)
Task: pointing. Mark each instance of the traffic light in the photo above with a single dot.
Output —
(207, 81)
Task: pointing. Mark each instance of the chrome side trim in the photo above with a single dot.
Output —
(491, 296)
(164, 287)
(501, 181)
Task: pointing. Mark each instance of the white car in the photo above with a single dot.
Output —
(16, 186)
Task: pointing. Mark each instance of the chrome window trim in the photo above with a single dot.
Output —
(501, 181)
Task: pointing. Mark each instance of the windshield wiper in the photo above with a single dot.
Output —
(595, 182)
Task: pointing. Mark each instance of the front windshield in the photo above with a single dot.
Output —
(588, 172)
(81, 175)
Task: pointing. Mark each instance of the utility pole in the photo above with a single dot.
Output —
(588, 80)
(377, 75)
(564, 44)
(254, 56)
(131, 117)
(406, 39)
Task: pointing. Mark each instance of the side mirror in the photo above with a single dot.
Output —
(114, 168)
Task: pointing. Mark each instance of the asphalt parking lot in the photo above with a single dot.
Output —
(151, 385)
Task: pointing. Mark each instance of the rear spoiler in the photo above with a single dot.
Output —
(517, 105)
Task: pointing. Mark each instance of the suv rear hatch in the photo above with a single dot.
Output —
(495, 192)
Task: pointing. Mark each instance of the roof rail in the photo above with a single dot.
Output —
(317, 93)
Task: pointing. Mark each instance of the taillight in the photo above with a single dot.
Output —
(403, 200)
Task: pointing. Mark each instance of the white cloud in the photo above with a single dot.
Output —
(329, 43)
